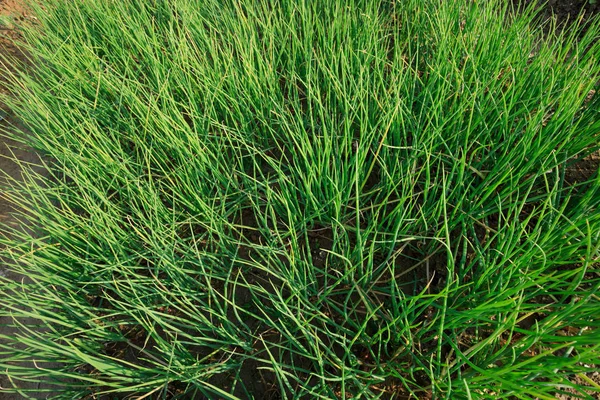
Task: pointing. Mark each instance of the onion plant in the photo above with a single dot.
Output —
(303, 199)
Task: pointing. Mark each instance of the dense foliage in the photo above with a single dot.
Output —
(305, 199)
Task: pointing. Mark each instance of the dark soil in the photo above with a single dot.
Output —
(565, 11)
(568, 10)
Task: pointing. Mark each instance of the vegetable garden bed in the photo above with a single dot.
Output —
(296, 199)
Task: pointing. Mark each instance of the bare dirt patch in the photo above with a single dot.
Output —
(12, 13)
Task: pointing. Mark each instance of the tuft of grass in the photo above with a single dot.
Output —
(304, 199)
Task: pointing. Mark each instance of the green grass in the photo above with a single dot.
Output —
(305, 199)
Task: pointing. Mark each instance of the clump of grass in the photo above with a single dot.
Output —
(298, 199)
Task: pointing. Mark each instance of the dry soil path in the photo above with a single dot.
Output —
(12, 13)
